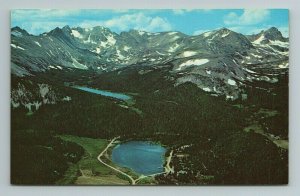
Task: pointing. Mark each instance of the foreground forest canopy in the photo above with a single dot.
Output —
(218, 102)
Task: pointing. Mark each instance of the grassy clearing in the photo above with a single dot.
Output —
(254, 127)
(89, 170)
(266, 113)
(259, 128)
(130, 107)
(87, 178)
(282, 144)
(129, 104)
(92, 149)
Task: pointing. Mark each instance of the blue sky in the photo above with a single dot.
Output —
(191, 22)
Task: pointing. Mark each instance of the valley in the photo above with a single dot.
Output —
(218, 106)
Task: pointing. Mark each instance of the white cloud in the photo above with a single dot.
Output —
(249, 17)
(249, 30)
(285, 31)
(42, 13)
(179, 11)
(36, 21)
(158, 23)
(184, 11)
(198, 32)
(41, 26)
(89, 23)
(138, 21)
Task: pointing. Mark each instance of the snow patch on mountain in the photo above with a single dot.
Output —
(259, 40)
(37, 43)
(52, 67)
(283, 65)
(89, 40)
(78, 65)
(250, 71)
(120, 56)
(231, 82)
(206, 89)
(206, 34)
(231, 55)
(279, 43)
(193, 62)
(225, 34)
(175, 38)
(172, 33)
(141, 32)
(188, 53)
(76, 33)
(173, 48)
(160, 53)
(98, 50)
(111, 40)
(229, 97)
(66, 98)
(208, 72)
(257, 56)
(126, 48)
(18, 47)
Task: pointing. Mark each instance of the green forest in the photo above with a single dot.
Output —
(220, 151)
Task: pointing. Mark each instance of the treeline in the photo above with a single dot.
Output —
(274, 97)
(221, 152)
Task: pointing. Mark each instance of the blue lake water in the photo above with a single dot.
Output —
(140, 156)
(104, 93)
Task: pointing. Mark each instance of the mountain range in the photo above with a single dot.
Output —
(217, 101)
(220, 62)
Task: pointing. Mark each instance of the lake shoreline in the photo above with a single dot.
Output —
(130, 173)
(133, 154)
(105, 93)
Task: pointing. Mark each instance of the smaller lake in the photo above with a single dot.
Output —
(142, 157)
(104, 93)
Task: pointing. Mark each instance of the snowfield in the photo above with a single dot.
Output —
(259, 40)
(280, 43)
(189, 53)
(76, 34)
(18, 47)
(37, 43)
(206, 89)
(173, 48)
(225, 34)
(283, 66)
(172, 33)
(193, 62)
(231, 82)
(206, 34)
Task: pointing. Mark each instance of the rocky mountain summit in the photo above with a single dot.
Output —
(220, 62)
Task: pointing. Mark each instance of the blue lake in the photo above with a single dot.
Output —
(140, 156)
(104, 93)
